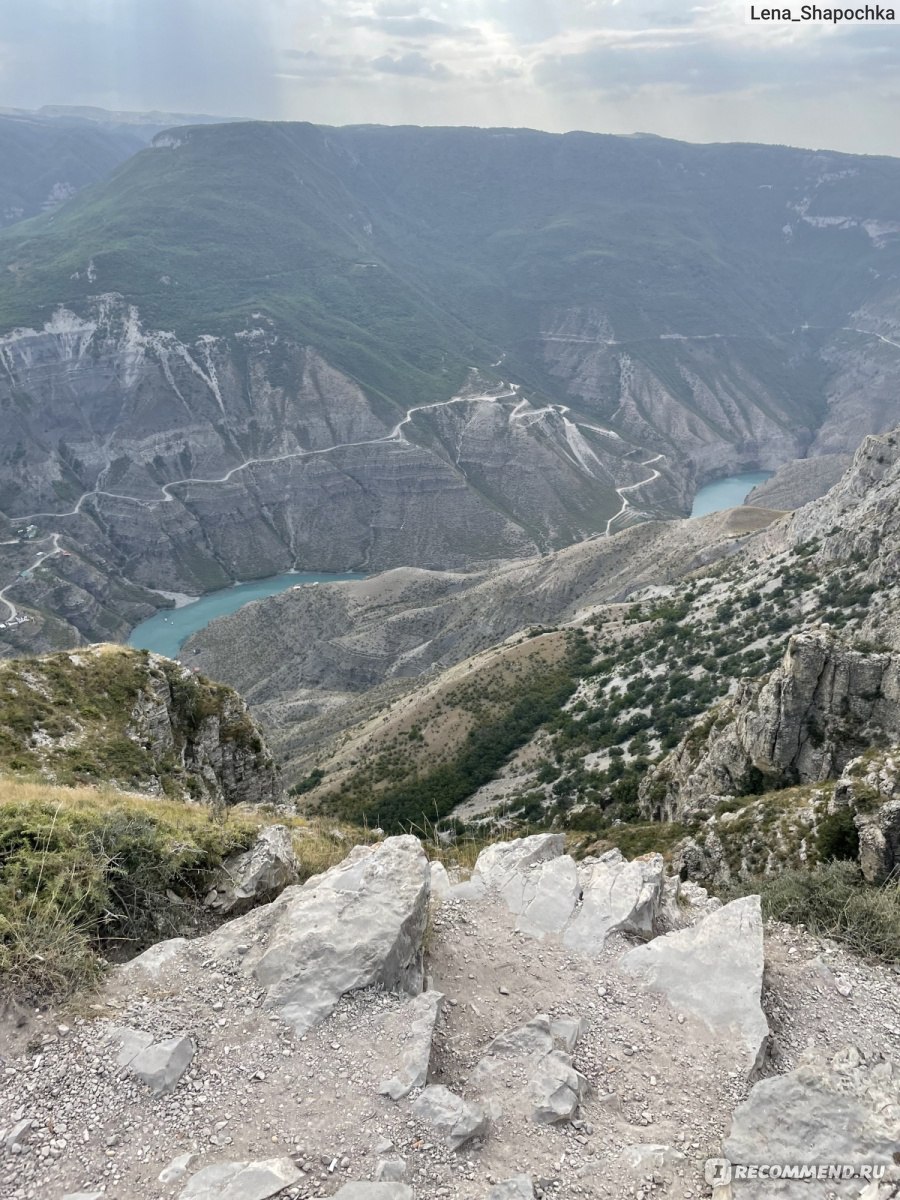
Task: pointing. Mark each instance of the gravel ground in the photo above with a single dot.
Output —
(254, 1090)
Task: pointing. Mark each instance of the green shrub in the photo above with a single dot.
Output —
(837, 837)
(834, 901)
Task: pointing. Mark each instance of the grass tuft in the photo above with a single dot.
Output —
(834, 901)
(92, 873)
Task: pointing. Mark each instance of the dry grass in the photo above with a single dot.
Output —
(834, 901)
(89, 872)
(320, 844)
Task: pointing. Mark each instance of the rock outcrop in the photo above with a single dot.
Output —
(623, 1087)
(616, 895)
(414, 1033)
(860, 516)
(841, 1112)
(714, 972)
(584, 902)
(799, 482)
(454, 1120)
(817, 711)
(540, 1053)
(870, 788)
(256, 875)
(209, 727)
(359, 925)
(140, 721)
(242, 1180)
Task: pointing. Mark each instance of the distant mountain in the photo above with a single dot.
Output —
(109, 116)
(50, 153)
(428, 346)
(46, 162)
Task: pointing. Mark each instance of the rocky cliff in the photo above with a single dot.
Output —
(132, 720)
(305, 398)
(870, 788)
(859, 518)
(821, 707)
(199, 463)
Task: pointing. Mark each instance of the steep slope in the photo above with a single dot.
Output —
(799, 482)
(819, 709)
(313, 661)
(761, 662)
(251, 348)
(46, 162)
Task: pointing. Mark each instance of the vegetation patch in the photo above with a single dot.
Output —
(834, 901)
(74, 717)
(85, 873)
(504, 720)
(88, 874)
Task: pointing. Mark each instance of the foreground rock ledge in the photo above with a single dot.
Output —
(359, 925)
(840, 1110)
(552, 894)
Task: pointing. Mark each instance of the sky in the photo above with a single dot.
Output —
(701, 72)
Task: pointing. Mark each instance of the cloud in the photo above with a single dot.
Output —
(693, 70)
(413, 64)
(308, 64)
(412, 26)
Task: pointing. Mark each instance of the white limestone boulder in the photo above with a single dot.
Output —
(844, 1109)
(413, 1029)
(359, 925)
(713, 971)
(256, 875)
(616, 895)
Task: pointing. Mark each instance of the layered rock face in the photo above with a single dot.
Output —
(800, 482)
(243, 456)
(207, 428)
(816, 712)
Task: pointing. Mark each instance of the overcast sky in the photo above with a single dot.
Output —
(700, 72)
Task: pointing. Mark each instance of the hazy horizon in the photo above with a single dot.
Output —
(702, 73)
(182, 118)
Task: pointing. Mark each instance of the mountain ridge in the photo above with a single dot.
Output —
(269, 311)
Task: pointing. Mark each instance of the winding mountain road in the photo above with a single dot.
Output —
(630, 487)
(13, 612)
(522, 412)
(394, 436)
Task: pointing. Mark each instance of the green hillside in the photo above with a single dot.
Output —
(405, 254)
(44, 161)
